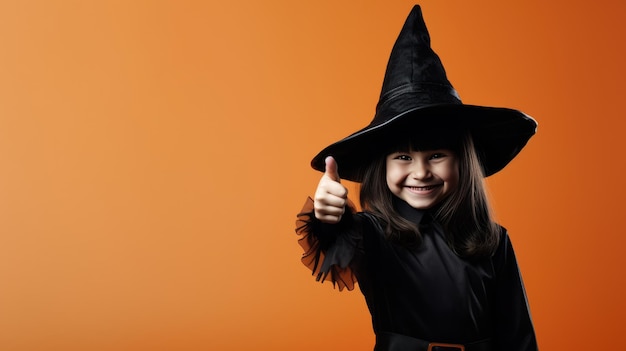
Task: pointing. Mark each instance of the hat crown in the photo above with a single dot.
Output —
(415, 76)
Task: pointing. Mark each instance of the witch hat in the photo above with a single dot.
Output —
(417, 97)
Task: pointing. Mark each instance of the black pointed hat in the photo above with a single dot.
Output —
(416, 98)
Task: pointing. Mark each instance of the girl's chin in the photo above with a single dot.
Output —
(420, 205)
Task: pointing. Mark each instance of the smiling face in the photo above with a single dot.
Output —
(422, 178)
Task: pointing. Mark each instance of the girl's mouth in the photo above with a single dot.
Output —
(425, 188)
(422, 188)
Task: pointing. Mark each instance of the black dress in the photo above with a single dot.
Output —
(426, 292)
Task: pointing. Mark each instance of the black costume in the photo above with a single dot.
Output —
(428, 292)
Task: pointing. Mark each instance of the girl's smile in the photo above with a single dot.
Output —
(422, 189)
(422, 178)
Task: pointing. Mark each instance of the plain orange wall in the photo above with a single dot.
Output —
(154, 154)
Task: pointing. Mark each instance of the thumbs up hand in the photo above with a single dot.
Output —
(330, 197)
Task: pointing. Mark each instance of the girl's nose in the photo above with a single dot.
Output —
(420, 170)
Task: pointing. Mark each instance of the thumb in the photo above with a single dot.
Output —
(332, 169)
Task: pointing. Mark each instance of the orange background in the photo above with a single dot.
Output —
(154, 154)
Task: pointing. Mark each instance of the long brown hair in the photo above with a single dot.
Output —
(465, 214)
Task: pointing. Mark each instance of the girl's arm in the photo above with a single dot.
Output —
(514, 329)
(326, 231)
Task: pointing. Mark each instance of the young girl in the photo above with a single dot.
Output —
(437, 273)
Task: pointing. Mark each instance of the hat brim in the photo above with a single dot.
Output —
(499, 134)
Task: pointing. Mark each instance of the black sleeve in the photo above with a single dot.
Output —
(329, 249)
(514, 329)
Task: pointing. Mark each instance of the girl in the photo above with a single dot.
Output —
(437, 273)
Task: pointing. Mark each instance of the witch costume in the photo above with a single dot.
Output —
(424, 298)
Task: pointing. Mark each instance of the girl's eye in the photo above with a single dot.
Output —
(403, 157)
(437, 155)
